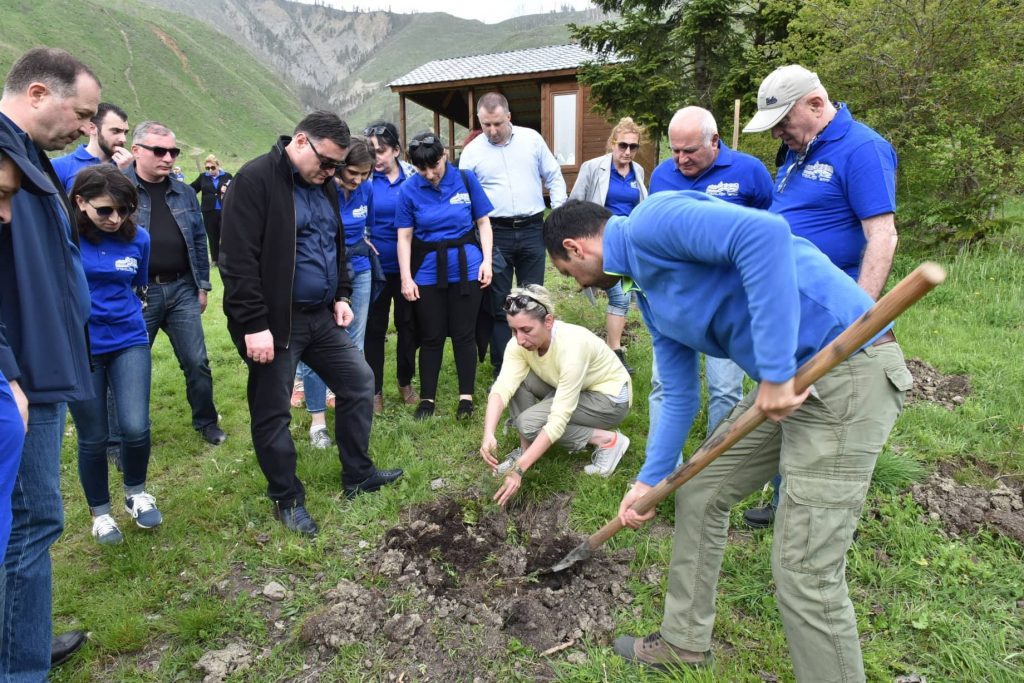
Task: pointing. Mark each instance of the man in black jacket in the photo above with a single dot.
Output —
(286, 297)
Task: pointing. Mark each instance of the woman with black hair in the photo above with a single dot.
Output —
(444, 256)
(115, 256)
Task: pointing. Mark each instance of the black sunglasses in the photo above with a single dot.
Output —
(631, 146)
(211, 168)
(161, 152)
(108, 211)
(514, 303)
(429, 141)
(326, 163)
(381, 132)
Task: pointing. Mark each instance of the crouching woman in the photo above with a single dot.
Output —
(562, 385)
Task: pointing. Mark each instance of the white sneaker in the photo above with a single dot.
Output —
(319, 438)
(510, 460)
(105, 531)
(605, 460)
(142, 508)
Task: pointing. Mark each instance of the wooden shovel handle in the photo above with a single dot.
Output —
(901, 297)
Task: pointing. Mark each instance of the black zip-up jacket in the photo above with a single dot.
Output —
(257, 247)
(203, 185)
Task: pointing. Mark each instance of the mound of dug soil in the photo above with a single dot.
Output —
(949, 391)
(456, 586)
(964, 509)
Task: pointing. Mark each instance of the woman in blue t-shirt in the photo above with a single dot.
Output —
(439, 213)
(115, 256)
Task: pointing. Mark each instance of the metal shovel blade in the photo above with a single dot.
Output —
(581, 553)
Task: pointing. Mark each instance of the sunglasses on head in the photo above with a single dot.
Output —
(381, 132)
(429, 141)
(514, 303)
(631, 146)
(326, 163)
(161, 152)
(108, 211)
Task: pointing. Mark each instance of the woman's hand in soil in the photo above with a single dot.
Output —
(627, 515)
(508, 489)
(487, 447)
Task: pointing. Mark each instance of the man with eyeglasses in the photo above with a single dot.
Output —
(286, 297)
(109, 131)
(514, 165)
(179, 271)
(836, 187)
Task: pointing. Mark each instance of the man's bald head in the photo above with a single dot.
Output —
(693, 139)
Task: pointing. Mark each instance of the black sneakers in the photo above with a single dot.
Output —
(213, 434)
(759, 518)
(296, 518)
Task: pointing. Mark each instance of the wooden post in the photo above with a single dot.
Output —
(451, 138)
(736, 126)
(401, 120)
(471, 100)
(437, 124)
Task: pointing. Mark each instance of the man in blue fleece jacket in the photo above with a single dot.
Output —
(733, 282)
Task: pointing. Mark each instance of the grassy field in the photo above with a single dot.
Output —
(947, 609)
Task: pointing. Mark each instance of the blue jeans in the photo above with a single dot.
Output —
(127, 373)
(26, 630)
(523, 249)
(174, 308)
(618, 300)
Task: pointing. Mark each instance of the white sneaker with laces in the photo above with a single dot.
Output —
(319, 438)
(142, 508)
(606, 459)
(105, 531)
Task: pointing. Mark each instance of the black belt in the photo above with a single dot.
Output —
(887, 338)
(516, 221)
(164, 278)
(310, 308)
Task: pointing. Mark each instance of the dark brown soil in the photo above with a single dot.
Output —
(948, 391)
(965, 509)
(458, 583)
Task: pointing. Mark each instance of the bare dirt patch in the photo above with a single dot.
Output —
(948, 391)
(456, 584)
(964, 509)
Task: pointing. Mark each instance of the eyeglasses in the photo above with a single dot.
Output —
(429, 141)
(381, 132)
(631, 146)
(211, 168)
(161, 152)
(514, 303)
(326, 163)
(108, 211)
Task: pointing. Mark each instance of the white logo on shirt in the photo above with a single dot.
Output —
(634, 186)
(360, 211)
(460, 198)
(128, 263)
(723, 189)
(818, 171)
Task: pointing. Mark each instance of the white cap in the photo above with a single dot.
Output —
(778, 93)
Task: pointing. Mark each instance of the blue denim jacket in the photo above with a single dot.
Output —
(181, 199)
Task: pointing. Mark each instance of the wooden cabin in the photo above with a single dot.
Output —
(542, 91)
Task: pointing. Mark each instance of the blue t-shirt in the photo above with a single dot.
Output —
(68, 166)
(356, 213)
(847, 175)
(316, 245)
(113, 269)
(12, 437)
(382, 224)
(623, 192)
(445, 213)
(734, 177)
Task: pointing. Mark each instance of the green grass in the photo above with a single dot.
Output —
(943, 608)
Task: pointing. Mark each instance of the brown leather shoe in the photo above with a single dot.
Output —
(378, 404)
(409, 395)
(657, 653)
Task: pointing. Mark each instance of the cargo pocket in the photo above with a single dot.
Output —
(900, 377)
(819, 522)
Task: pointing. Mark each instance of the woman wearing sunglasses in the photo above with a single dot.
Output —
(210, 186)
(562, 385)
(444, 257)
(115, 256)
(616, 182)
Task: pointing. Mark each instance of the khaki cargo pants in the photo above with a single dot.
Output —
(826, 452)
(531, 405)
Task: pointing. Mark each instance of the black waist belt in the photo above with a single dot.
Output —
(516, 221)
(420, 249)
(164, 278)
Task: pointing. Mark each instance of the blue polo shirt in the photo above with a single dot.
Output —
(68, 166)
(623, 192)
(847, 175)
(382, 223)
(356, 213)
(316, 246)
(445, 213)
(730, 282)
(113, 269)
(734, 177)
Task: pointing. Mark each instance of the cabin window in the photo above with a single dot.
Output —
(565, 128)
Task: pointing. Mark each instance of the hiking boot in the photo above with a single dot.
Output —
(657, 653)
(319, 438)
(424, 410)
(378, 404)
(105, 531)
(409, 395)
(607, 458)
(465, 409)
(296, 518)
(759, 518)
(142, 508)
(213, 434)
(298, 395)
(510, 460)
(621, 353)
(373, 483)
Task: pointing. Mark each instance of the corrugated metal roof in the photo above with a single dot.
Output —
(533, 60)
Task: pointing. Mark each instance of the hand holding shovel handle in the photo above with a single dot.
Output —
(888, 308)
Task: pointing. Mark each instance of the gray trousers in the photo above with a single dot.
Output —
(531, 405)
(826, 452)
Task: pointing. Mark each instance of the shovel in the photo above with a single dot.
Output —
(888, 308)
